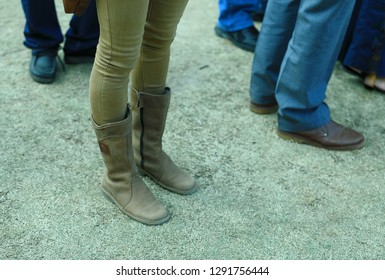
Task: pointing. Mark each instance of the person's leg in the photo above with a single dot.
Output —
(150, 72)
(235, 22)
(42, 30)
(378, 62)
(367, 38)
(278, 25)
(350, 30)
(150, 98)
(309, 62)
(305, 72)
(380, 47)
(297, 72)
(235, 15)
(121, 32)
(82, 37)
(43, 36)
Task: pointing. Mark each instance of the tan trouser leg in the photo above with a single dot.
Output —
(133, 34)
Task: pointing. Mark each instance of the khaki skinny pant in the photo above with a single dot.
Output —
(135, 38)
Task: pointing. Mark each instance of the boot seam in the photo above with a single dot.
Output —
(141, 146)
(160, 165)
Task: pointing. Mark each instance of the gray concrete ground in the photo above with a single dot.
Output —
(259, 197)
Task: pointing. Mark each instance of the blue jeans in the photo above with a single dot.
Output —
(235, 15)
(295, 57)
(42, 30)
(366, 45)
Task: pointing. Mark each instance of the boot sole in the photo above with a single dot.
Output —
(146, 222)
(190, 191)
(303, 140)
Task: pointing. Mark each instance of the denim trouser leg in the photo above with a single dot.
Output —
(83, 33)
(316, 32)
(277, 28)
(309, 62)
(235, 15)
(42, 30)
(367, 40)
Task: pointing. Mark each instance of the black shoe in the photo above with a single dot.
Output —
(43, 66)
(244, 38)
(83, 57)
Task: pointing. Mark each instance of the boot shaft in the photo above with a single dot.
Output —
(149, 113)
(120, 182)
(115, 143)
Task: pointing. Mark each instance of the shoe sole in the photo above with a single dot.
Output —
(190, 191)
(262, 110)
(302, 140)
(110, 198)
(42, 80)
(239, 45)
(351, 71)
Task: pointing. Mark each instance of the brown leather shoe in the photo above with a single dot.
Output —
(262, 109)
(331, 136)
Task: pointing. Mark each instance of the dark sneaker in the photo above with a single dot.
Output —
(244, 38)
(83, 57)
(43, 66)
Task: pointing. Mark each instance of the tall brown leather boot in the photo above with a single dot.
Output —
(149, 113)
(121, 182)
